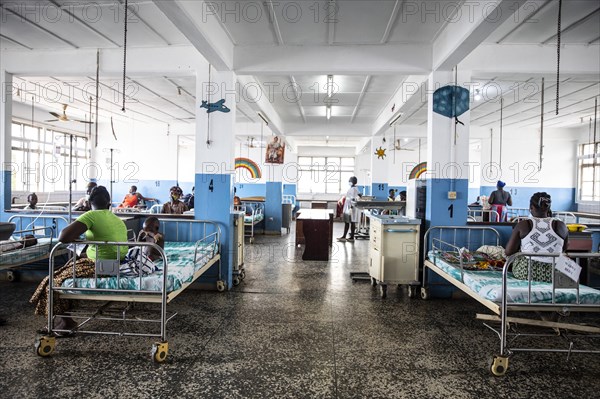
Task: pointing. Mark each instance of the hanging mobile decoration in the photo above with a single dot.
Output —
(216, 106)
(124, 56)
(558, 55)
(380, 152)
(501, 125)
(208, 111)
(394, 160)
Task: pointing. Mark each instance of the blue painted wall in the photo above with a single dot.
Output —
(5, 193)
(158, 189)
(273, 208)
(251, 190)
(379, 191)
(563, 199)
(473, 194)
(217, 205)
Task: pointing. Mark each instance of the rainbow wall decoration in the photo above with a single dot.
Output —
(250, 166)
(418, 170)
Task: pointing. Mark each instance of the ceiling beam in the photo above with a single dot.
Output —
(37, 26)
(573, 25)
(392, 21)
(297, 94)
(84, 24)
(131, 10)
(390, 59)
(198, 22)
(525, 20)
(141, 61)
(332, 9)
(360, 98)
(15, 42)
(263, 104)
(162, 97)
(479, 20)
(533, 59)
(273, 23)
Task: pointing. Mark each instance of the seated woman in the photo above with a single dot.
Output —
(99, 224)
(133, 198)
(84, 202)
(174, 206)
(540, 234)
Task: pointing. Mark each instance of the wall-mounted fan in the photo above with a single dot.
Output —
(65, 118)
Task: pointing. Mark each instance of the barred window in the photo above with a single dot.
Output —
(324, 175)
(589, 172)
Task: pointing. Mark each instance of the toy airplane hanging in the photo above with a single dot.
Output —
(212, 107)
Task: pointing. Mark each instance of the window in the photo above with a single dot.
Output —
(40, 159)
(324, 175)
(589, 172)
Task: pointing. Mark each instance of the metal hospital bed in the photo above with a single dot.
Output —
(504, 295)
(121, 297)
(43, 228)
(254, 213)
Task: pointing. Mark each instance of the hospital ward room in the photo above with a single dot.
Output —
(337, 199)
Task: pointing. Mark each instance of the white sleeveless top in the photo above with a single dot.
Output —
(542, 239)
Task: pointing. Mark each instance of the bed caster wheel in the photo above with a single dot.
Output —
(383, 291)
(373, 282)
(11, 276)
(159, 352)
(220, 285)
(242, 274)
(44, 346)
(499, 365)
(424, 293)
(412, 291)
(236, 281)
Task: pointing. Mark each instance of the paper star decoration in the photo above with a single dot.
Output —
(380, 152)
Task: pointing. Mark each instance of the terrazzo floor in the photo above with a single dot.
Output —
(292, 329)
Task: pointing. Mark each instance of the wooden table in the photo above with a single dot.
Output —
(314, 228)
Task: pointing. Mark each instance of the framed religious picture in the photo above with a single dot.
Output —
(275, 151)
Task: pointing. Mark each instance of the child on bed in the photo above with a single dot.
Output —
(12, 245)
(151, 234)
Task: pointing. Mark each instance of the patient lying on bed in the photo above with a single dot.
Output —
(12, 245)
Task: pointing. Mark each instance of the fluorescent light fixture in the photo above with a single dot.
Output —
(328, 112)
(396, 118)
(329, 86)
(406, 140)
(477, 95)
(261, 116)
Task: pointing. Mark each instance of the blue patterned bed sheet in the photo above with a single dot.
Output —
(488, 284)
(256, 218)
(29, 254)
(180, 256)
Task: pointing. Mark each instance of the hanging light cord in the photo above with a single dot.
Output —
(558, 55)
(124, 54)
(208, 114)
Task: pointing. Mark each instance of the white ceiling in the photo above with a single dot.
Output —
(358, 25)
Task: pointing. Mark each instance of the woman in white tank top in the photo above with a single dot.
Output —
(540, 234)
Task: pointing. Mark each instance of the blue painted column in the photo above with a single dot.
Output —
(447, 167)
(379, 172)
(5, 143)
(273, 208)
(215, 162)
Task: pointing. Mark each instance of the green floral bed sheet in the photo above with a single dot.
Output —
(23, 256)
(488, 285)
(181, 269)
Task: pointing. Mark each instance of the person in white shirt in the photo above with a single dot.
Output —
(350, 212)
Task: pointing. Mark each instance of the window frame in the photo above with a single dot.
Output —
(330, 178)
(594, 165)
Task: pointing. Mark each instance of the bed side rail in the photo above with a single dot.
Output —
(559, 281)
(198, 231)
(32, 223)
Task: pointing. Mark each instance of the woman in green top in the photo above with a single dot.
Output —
(99, 224)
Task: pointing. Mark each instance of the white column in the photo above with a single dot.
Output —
(5, 141)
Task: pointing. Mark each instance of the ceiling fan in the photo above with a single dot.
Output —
(398, 146)
(65, 118)
(252, 144)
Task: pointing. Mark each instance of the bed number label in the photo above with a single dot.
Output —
(451, 210)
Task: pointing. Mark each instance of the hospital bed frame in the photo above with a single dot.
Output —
(258, 208)
(476, 215)
(47, 224)
(508, 332)
(45, 344)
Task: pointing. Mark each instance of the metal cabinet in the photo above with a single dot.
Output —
(394, 252)
(239, 272)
